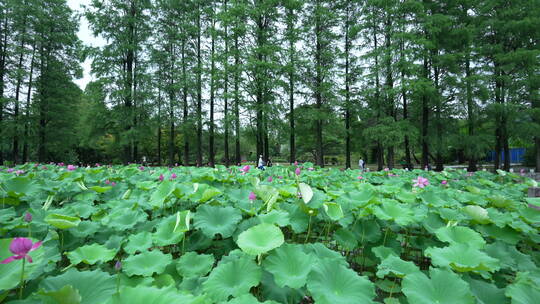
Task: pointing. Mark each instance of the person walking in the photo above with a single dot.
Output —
(361, 164)
(261, 162)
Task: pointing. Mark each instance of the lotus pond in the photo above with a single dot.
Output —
(129, 234)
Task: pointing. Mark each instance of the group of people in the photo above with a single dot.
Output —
(261, 163)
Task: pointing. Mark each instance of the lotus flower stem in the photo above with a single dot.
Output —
(392, 289)
(385, 234)
(308, 229)
(22, 279)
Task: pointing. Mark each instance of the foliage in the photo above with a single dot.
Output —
(323, 235)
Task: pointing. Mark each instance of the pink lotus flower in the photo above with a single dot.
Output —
(245, 169)
(297, 171)
(9, 170)
(173, 176)
(107, 182)
(36, 165)
(386, 169)
(141, 168)
(420, 182)
(20, 247)
(270, 179)
(61, 164)
(113, 184)
(252, 196)
(296, 163)
(311, 169)
(71, 167)
(444, 182)
(161, 177)
(19, 172)
(27, 217)
(360, 178)
(280, 177)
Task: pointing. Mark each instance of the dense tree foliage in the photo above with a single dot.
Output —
(409, 82)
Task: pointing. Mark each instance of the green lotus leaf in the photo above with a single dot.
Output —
(333, 210)
(192, 264)
(460, 235)
(278, 217)
(208, 194)
(486, 293)
(510, 257)
(124, 218)
(61, 221)
(389, 287)
(322, 252)
(437, 198)
(398, 267)
(163, 280)
(234, 278)
(524, 289)
(531, 215)
(146, 263)
(212, 220)
(161, 194)
(182, 221)
(248, 299)
(383, 252)
(91, 254)
(392, 210)
(84, 229)
(505, 234)
(11, 272)
(19, 186)
(331, 283)
(65, 295)
(444, 287)
(165, 233)
(148, 294)
(138, 242)
(345, 239)
(260, 239)
(462, 258)
(94, 287)
(357, 198)
(100, 189)
(267, 194)
(289, 265)
(477, 214)
(367, 231)
(306, 191)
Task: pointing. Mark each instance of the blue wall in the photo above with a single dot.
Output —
(516, 155)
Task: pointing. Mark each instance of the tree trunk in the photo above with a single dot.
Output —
(225, 93)
(27, 107)
(425, 119)
(3, 55)
(347, 93)
(199, 89)
(470, 113)
(292, 141)
(128, 86)
(211, 150)
(15, 151)
(319, 157)
(159, 124)
(185, 97)
(389, 82)
(237, 102)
